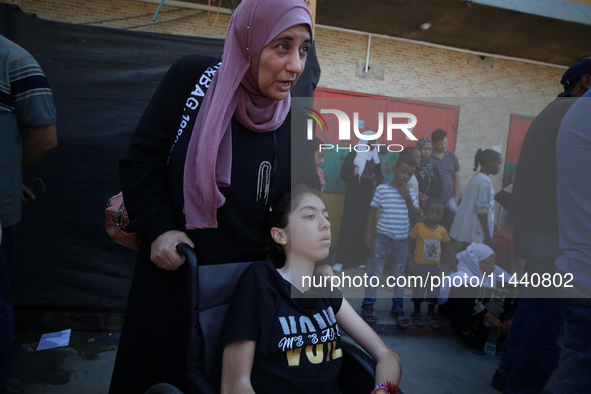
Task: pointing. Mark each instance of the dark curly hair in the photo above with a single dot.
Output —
(278, 216)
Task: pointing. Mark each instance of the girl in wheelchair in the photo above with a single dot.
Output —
(282, 336)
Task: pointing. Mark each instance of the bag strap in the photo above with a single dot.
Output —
(194, 101)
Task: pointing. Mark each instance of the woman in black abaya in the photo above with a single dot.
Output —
(362, 173)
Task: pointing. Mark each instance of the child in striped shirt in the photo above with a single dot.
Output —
(398, 207)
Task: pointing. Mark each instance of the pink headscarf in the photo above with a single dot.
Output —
(235, 91)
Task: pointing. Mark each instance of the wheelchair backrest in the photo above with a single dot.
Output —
(217, 284)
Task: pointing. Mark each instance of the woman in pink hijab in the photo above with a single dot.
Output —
(210, 153)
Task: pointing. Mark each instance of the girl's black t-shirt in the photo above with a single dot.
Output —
(298, 346)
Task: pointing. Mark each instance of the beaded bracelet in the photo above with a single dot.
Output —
(388, 387)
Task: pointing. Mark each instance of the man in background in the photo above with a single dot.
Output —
(449, 169)
(532, 349)
(27, 133)
(573, 151)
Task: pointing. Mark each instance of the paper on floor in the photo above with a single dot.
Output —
(54, 339)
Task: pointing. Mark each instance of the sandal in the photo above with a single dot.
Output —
(368, 315)
(401, 320)
(417, 319)
(434, 322)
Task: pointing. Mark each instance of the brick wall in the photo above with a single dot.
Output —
(129, 15)
(487, 96)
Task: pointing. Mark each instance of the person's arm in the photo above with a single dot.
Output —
(422, 200)
(237, 362)
(163, 249)
(253, 310)
(456, 194)
(34, 108)
(494, 322)
(370, 226)
(483, 217)
(410, 204)
(37, 142)
(388, 366)
(144, 169)
(482, 207)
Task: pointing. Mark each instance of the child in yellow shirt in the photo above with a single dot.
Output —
(426, 241)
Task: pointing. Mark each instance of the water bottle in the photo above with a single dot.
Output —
(490, 347)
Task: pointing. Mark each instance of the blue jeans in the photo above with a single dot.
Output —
(7, 247)
(575, 361)
(386, 250)
(418, 292)
(532, 349)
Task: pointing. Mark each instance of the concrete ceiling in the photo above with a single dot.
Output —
(460, 24)
(464, 25)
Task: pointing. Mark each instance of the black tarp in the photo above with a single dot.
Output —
(101, 79)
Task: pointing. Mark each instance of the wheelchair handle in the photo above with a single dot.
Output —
(196, 381)
(192, 284)
(186, 250)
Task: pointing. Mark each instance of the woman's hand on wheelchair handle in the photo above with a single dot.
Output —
(163, 250)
